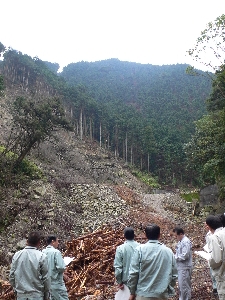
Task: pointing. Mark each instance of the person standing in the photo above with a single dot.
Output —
(183, 258)
(153, 271)
(56, 269)
(216, 246)
(29, 271)
(207, 237)
(123, 257)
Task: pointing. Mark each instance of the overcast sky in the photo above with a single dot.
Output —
(146, 31)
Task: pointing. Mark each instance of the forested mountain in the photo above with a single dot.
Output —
(164, 98)
(143, 113)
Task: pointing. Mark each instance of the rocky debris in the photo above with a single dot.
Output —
(209, 195)
(82, 208)
(68, 160)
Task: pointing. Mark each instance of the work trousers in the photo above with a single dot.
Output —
(59, 294)
(213, 279)
(29, 298)
(220, 289)
(184, 284)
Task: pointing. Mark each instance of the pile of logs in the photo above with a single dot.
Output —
(91, 272)
(6, 291)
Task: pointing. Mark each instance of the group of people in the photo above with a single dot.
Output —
(150, 270)
(38, 275)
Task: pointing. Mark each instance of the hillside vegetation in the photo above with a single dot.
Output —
(148, 109)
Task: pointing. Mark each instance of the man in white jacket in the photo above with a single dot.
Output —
(216, 246)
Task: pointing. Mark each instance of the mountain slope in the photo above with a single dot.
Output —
(162, 103)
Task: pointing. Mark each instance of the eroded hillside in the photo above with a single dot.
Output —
(82, 189)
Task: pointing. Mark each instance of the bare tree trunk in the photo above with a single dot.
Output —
(131, 154)
(81, 124)
(77, 128)
(24, 152)
(123, 149)
(108, 141)
(126, 148)
(117, 142)
(90, 130)
(100, 135)
(85, 126)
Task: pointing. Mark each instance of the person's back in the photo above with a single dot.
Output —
(29, 274)
(56, 269)
(123, 256)
(216, 247)
(206, 248)
(122, 260)
(153, 270)
(155, 274)
(217, 250)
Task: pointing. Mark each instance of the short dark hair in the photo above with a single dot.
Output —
(178, 230)
(129, 233)
(222, 219)
(213, 222)
(34, 238)
(50, 238)
(152, 231)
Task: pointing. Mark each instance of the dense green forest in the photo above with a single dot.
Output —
(206, 149)
(145, 114)
(150, 108)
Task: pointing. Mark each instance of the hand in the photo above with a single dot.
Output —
(121, 286)
(132, 297)
(65, 277)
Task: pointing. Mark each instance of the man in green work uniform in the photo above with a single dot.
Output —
(153, 271)
(29, 271)
(56, 269)
(123, 257)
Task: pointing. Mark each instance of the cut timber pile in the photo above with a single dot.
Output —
(91, 272)
(6, 291)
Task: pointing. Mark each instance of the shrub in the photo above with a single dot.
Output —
(23, 172)
(146, 178)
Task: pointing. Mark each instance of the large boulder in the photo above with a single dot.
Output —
(209, 195)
